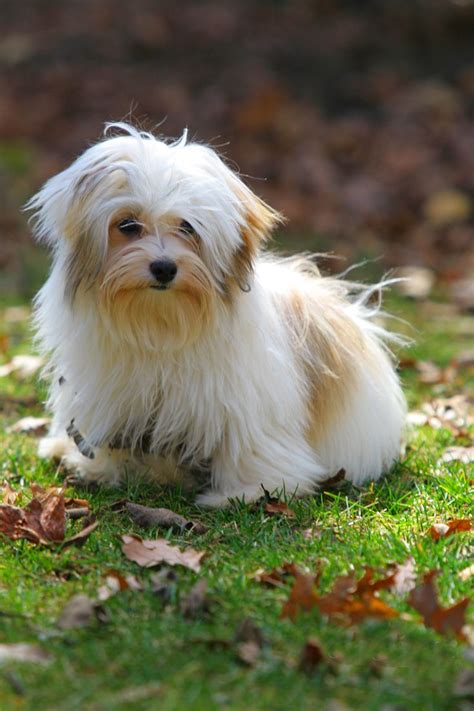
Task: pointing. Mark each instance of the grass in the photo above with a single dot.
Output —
(149, 656)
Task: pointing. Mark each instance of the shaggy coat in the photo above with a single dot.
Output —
(247, 364)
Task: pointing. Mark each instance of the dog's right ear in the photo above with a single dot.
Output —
(61, 209)
(68, 217)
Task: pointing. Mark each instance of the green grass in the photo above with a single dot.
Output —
(149, 656)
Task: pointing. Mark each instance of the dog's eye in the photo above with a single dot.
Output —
(187, 229)
(130, 227)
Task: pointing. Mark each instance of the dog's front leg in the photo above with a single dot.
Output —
(288, 466)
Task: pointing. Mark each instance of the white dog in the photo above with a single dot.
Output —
(174, 343)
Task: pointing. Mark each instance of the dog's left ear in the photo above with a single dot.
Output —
(259, 220)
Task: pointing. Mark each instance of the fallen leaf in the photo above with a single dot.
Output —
(404, 577)
(148, 553)
(23, 652)
(39, 522)
(348, 599)
(432, 374)
(334, 481)
(273, 506)
(248, 653)
(311, 657)
(466, 573)
(30, 425)
(149, 517)
(278, 508)
(196, 603)
(24, 366)
(249, 641)
(80, 611)
(115, 582)
(465, 455)
(302, 597)
(43, 520)
(9, 495)
(454, 414)
(90, 524)
(443, 530)
(248, 631)
(277, 576)
(447, 620)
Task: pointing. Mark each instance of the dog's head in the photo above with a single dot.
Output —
(156, 232)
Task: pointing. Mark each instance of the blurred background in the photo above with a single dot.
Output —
(354, 118)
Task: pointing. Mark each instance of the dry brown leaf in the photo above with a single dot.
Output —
(334, 481)
(447, 620)
(196, 603)
(273, 506)
(30, 425)
(349, 599)
(43, 520)
(302, 597)
(443, 530)
(277, 576)
(148, 517)
(22, 652)
(80, 611)
(278, 508)
(115, 582)
(39, 522)
(149, 553)
(312, 656)
(8, 495)
(90, 524)
(249, 641)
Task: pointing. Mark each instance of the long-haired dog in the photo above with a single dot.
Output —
(173, 343)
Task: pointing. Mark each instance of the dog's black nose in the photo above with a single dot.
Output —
(164, 270)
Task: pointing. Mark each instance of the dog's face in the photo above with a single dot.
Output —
(156, 232)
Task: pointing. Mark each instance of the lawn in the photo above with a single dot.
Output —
(149, 655)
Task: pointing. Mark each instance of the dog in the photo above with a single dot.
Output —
(175, 344)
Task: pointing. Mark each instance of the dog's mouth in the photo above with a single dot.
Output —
(160, 287)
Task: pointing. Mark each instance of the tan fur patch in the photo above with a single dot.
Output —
(260, 221)
(325, 343)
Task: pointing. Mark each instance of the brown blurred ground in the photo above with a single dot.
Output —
(358, 114)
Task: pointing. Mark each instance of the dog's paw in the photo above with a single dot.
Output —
(215, 499)
(54, 447)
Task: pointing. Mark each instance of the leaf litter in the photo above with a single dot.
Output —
(445, 620)
(43, 520)
(148, 517)
(443, 530)
(148, 553)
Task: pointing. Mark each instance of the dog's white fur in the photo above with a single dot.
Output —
(252, 364)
